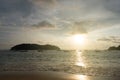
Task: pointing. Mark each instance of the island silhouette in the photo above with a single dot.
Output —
(114, 48)
(21, 47)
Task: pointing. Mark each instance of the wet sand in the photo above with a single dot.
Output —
(52, 76)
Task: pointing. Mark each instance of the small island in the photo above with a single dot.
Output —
(114, 48)
(25, 47)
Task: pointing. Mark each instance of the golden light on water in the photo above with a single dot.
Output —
(81, 77)
(79, 61)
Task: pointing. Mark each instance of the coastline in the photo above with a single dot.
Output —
(52, 76)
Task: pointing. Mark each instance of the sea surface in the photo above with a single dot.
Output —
(91, 63)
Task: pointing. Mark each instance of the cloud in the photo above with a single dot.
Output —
(104, 39)
(21, 12)
(113, 39)
(112, 6)
(44, 3)
(108, 5)
(14, 6)
(85, 26)
(44, 25)
(24, 12)
(79, 27)
(102, 10)
(14, 12)
(88, 15)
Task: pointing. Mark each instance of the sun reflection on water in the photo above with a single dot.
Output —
(81, 77)
(79, 61)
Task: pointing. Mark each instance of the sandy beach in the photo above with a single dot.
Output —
(51, 76)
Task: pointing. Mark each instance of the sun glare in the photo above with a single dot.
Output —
(79, 39)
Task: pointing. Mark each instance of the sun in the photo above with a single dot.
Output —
(79, 39)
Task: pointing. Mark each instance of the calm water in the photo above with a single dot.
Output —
(102, 63)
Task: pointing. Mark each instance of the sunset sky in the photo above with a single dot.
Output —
(58, 21)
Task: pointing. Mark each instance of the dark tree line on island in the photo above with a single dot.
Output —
(21, 47)
(114, 48)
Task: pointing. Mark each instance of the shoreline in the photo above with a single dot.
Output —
(51, 76)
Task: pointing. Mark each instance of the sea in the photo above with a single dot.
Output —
(88, 62)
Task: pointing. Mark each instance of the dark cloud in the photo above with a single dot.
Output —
(102, 5)
(112, 5)
(15, 6)
(113, 39)
(44, 25)
(24, 12)
(13, 12)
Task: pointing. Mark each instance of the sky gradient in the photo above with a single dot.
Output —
(55, 21)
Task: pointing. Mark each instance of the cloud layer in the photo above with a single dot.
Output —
(113, 39)
(14, 12)
(21, 12)
(44, 25)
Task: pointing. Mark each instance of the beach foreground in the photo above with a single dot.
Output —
(51, 76)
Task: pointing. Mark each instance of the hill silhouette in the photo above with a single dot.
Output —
(114, 48)
(33, 47)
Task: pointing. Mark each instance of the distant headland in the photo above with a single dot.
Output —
(38, 47)
(114, 48)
